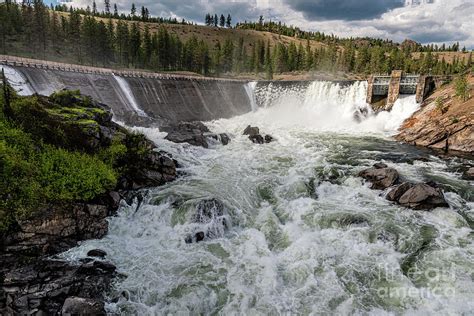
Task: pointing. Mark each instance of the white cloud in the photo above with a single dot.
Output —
(443, 21)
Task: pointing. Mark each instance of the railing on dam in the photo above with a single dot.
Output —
(50, 65)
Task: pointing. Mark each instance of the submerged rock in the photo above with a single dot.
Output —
(82, 306)
(194, 133)
(98, 253)
(210, 215)
(381, 176)
(255, 137)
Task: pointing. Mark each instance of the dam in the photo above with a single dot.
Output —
(144, 98)
(137, 97)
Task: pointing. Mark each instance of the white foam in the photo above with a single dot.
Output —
(124, 86)
(250, 90)
(17, 81)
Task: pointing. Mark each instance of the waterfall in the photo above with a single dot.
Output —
(250, 90)
(17, 81)
(129, 95)
(330, 106)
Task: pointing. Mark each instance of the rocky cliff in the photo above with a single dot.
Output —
(443, 122)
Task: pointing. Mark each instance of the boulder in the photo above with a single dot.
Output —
(257, 139)
(82, 306)
(251, 131)
(381, 176)
(396, 192)
(469, 174)
(193, 133)
(423, 196)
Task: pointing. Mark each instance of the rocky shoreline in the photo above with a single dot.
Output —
(32, 280)
(444, 122)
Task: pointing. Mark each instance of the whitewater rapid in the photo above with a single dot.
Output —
(306, 235)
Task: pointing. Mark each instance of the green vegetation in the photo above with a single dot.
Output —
(461, 85)
(38, 170)
(440, 105)
(136, 40)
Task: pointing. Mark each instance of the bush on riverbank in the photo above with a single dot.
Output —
(42, 160)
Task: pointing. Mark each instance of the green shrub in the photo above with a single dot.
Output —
(461, 85)
(69, 98)
(73, 176)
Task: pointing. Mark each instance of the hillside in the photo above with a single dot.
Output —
(77, 36)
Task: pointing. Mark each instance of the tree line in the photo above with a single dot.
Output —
(84, 37)
(214, 20)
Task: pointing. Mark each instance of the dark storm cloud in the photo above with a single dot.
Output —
(347, 10)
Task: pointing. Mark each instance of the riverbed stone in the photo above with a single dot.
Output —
(396, 192)
(423, 196)
(251, 130)
(257, 139)
(381, 176)
(193, 133)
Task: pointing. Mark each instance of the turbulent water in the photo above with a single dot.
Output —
(305, 235)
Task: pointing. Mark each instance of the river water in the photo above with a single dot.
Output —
(304, 234)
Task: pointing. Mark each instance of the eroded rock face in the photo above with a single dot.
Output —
(194, 133)
(53, 229)
(451, 128)
(423, 196)
(49, 287)
(381, 176)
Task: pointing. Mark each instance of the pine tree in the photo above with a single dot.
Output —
(461, 86)
(94, 8)
(222, 21)
(268, 63)
(116, 15)
(133, 11)
(229, 21)
(135, 44)
(107, 7)
(208, 19)
(216, 20)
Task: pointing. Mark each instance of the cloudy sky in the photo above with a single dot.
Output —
(442, 21)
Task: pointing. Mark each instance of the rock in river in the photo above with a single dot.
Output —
(381, 176)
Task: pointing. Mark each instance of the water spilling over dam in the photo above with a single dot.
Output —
(299, 232)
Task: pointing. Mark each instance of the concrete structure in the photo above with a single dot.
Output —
(391, 87)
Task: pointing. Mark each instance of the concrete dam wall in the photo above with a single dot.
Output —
(139, 100)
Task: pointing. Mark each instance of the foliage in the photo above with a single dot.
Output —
(84, 36)
(440, 105)
(35, 173)
(461, 85)
(73, 176)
